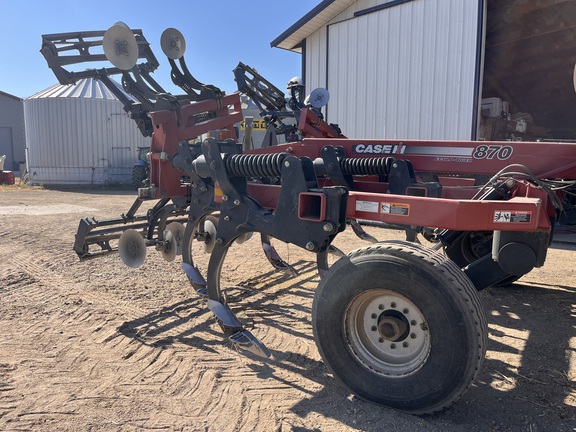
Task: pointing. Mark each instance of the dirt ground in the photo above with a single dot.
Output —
(98, 346)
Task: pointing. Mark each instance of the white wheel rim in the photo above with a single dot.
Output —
(387, 333)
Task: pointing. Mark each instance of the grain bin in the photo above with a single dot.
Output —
(80, 134)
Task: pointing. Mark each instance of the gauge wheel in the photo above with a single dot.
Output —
(400, 325)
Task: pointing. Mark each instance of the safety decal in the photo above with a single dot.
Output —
(257, 124)
(512, 216)
(367, 206)
(395, 209)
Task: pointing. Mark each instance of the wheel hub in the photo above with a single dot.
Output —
(392, 328)
(387, 333)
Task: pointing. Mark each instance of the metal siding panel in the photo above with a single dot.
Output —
(390, 52)
(339, 64)
(417, 70)
(72, 133)
(439, 71)
(348, 61)
(316, 60)
(360, 34)
(95, 134)
(424, 56)
(427, 76)
(316, 45)
(371, 75)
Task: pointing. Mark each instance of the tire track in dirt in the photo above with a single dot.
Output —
(75, 309)
(56, 284)
(141, 353)
(168, 364)
(7, 389)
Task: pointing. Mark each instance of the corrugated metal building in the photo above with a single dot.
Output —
(12, 134)
(420, 69)
(80, 134)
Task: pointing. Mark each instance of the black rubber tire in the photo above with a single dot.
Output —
(453, 338)
(474, 245)
(139, 174)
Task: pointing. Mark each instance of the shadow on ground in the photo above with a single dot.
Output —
(524, 385)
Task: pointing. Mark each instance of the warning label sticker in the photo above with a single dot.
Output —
(395, 209)
(512, 216)
(367, 206)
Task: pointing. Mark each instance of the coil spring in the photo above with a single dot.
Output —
(366, 166)
(202, 117)
(246, 165)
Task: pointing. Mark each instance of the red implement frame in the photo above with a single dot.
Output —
(312, 125)
(545, 160)
(189, 122)
(453, 161)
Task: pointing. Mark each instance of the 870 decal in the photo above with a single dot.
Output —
(501, 152)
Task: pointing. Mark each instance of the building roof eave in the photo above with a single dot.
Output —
(10, 96)
(291, 39)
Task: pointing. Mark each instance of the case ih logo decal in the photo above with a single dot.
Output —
(379, 148)
(440, 153)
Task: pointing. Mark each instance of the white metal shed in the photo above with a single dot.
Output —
(421, 69)
(80, 134)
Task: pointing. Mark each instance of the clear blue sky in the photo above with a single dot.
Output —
(219, 34)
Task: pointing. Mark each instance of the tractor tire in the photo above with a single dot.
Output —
(139, 174)
(400, 325)
(472, 246)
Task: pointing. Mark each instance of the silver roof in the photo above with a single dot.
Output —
(87, 88)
